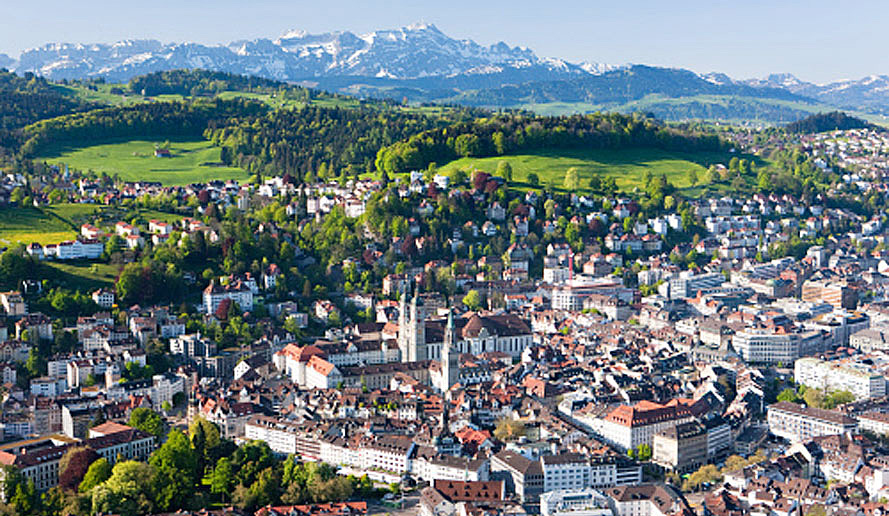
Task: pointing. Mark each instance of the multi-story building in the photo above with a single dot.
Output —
(38, 459)
(797, 423)
(565, 471)
(13, 304)
(688, 286)
(522, 476)
(871, 339)
(840, 295)
(103, 297)
(646, 500)
(876, 422)
(578, 502)
(681, 447)
(776, 345)
(859, 379)
(237, 292)
(628, 427)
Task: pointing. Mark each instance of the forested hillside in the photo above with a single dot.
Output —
(173, 119)
(822, 122)
(505, 134)
(25, 100)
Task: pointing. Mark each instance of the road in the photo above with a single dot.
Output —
(411, 507)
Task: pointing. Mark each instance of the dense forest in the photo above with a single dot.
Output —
(172, 119)
(822, 122)
(505, 134)
(197, 82)
(25, 100)
(316, 139)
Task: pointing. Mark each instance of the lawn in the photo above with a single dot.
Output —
(28, 224)
(84, 275)
(627, 166)
(133, 160)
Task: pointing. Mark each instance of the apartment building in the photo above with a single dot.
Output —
(876, 422)
(859, 379)
(797, 423)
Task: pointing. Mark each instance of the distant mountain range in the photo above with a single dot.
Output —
(421, 63)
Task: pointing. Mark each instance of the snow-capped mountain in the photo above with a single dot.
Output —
(413, 52)
(6, 61)
(421, 63)
(868, 94)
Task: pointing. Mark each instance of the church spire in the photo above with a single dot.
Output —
(450, 357)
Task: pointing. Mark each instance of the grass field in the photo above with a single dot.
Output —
(133, 160)
(28, 224)
(627, 166)
(84, 276)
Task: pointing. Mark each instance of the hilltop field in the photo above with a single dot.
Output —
(627, 166)
(191, 161)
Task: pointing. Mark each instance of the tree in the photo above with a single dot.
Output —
(837, 398)
(176, 474)
(707, 473)
(222, 478)
(643, 452)
(692, 177)
(74, 465)
(789, 394)
(572, 179)
(508, 429)
(813, 398)
(504, 170)
(148, 421)
(817, 510)
(20, 492)
(98, 472)
(533, 179)
(472, 300)
(128, 491)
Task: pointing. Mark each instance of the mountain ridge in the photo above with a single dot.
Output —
(421, 63)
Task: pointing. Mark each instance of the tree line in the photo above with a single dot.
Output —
(173, 119)
(303, 141)
(505, 134)
(25, 100)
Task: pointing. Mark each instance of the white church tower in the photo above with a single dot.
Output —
(450, 357)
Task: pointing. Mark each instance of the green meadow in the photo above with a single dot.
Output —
(134, 160)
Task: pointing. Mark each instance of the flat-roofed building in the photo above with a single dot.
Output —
(797, 423)
(859, 379)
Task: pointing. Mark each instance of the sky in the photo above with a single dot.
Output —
(816, 40)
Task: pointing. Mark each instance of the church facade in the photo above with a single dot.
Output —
(422, 339)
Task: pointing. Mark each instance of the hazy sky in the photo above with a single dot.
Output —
(816, 40)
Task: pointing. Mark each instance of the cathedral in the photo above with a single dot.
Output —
(420, 338)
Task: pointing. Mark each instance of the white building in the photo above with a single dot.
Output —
(237, 292)
(800, 424)
(565, 471)
(829, 376)
(575, 502)
(769, 346)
